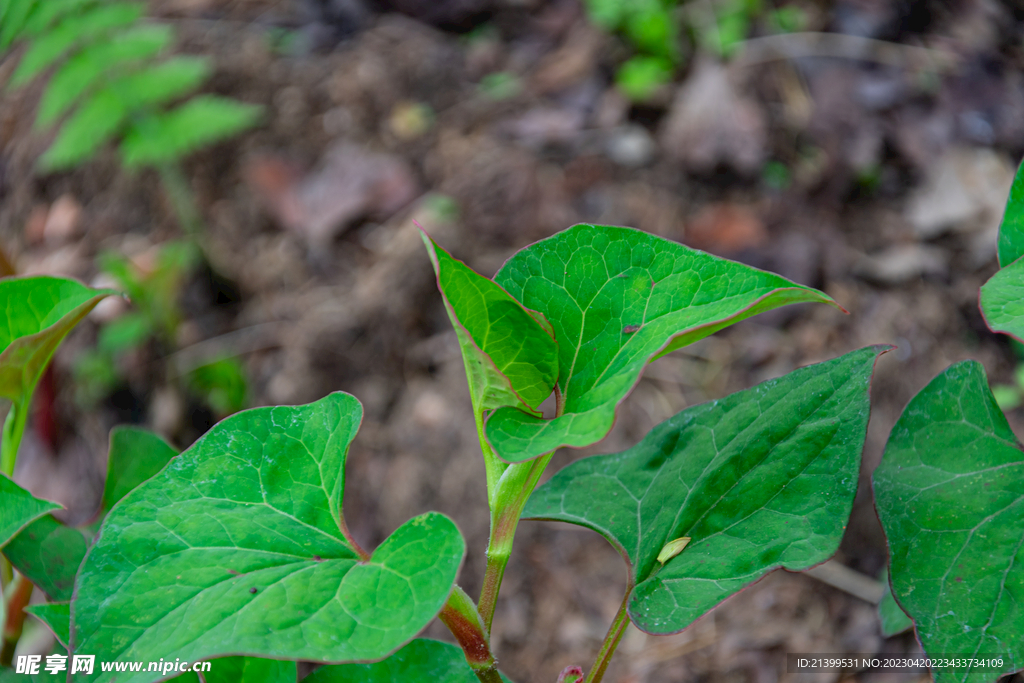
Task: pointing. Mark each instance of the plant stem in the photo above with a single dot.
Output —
(493, 466)
(14, 429)
(611, 641)
(461, 617)
(20, 593)
(183, 201)
(513, 490)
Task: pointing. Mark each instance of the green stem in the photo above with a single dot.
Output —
(611, 641)
(461, 617)
(14, 429)
(20, 594)
(493, 466)
(183, 201)
(513, 490)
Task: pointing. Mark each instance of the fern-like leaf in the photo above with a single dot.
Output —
(161, 83)
(84, 70)
(201, 121)
(73, 30)
(95, 122)
(46, 12)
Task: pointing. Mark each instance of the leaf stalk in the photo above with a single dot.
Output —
(461, 617)
(20, 592)
(611, 641)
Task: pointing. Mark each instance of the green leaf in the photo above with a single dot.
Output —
(641, 76)
(46, 13)
(421, 661)
(96, 62)
(95, 122)
(160, 83)
(949, 496)
(251, 670)
(56, 616)
(135, 456)
(619, 298)
(12, 20)
(894, 619)
(1011, 230)
(236, 546)
(199, 122)
(18, 508)
(39, 313)
(1002, 300)
(73, 30)
(49, 554)
(760, 479)
(511, 360)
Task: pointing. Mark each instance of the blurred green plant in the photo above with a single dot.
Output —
(112, 80)
(655, 29)
(220, 384)
(500, 85)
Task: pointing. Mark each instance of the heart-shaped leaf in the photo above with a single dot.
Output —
(618, 298)
(421, 661)
(56, 616)
(1011, 230)
(511, 360)
(38, 313)
(760, 479)
(251, 670)
(135, 455)
(1002, 300)
(950, 496)
(49, 554)
(18, 509)
(237, 546)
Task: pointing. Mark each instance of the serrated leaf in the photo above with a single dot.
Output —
(949, 496)
(760, 479)
(894, 619)
(199, 122)
(617, 299)
(251, 670)
(135, 455)
(73, 30)
(511, 360)
(256, 503)
(39, 313)
(94, 63)
(49, 554)
(18, 509)
(56, 616)
(96, 121)
(1011, 231)
(421, 661)
(1002, 300)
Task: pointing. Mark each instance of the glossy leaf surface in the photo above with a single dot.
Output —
(421, 661)
(18, 509)
(617, 298)
(56, 616)
(761, 479)
(251, 670)
(510, 359)
(49, 554)
(1002, 300)
(135, 456)
(236, 547)
(950, 496)
(39, 312)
